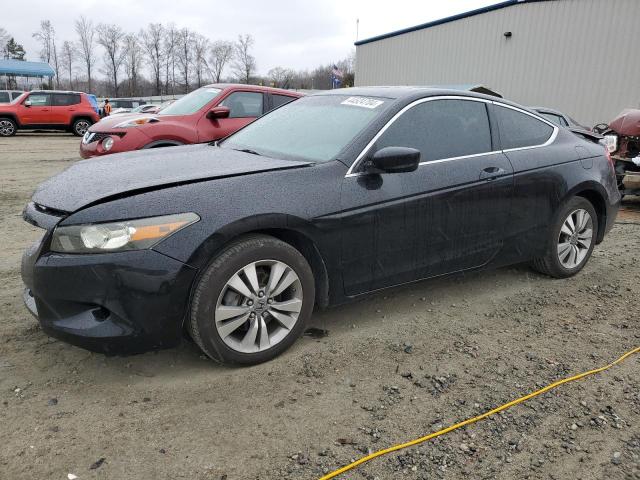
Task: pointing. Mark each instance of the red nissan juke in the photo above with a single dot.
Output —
(204, 115)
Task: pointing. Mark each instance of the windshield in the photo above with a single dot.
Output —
(192, 102)
(18, 98)
(313, 128)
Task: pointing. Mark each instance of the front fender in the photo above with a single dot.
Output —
(215, 242)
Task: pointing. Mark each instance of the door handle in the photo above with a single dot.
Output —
(491, 173)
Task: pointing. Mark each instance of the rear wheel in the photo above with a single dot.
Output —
(80, 126)
(253, 301)
(571, 241)
(8, 127)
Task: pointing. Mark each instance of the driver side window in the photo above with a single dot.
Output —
(39, 99)
(244, 104)
(441, 129)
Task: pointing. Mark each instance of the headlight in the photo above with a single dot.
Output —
(107, 143)
(119, 236)
(136, 122)
(611, 142)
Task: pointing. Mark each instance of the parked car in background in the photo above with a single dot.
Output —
(147, 108)
(559, 118)
(206, 114)
(326, 199)
(622, 137)
(8, 96)
(48, 110)
(94, 102)
(121, 105)
(120, 110)
(165, 104)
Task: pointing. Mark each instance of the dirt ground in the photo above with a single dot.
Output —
(395, 366)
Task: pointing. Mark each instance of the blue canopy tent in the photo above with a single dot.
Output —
(11, 70)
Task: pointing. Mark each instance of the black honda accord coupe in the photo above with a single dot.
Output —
(323, 200)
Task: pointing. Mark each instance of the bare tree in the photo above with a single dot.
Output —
(56, 63)
(220, 55)
(67, 58)
(281, 77)
(185, 54)
(110, 37)
(46, 36)
(347, 66)
(84, 29)
(152, 38)
(132, 62)
(170, 46)
(4, 37)
(200, 48)
(244, 63)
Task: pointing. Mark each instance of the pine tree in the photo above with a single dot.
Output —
(13, 50)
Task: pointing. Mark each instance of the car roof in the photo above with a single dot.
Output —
(408, 93)
(54, 91)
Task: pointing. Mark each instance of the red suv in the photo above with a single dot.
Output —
(206, 114)
(48, 110)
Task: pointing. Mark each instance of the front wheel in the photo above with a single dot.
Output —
(7, 127)
(253, 301)
(571, 241)
(80, 127)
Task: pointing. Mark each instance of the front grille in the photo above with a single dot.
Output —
(91, 137)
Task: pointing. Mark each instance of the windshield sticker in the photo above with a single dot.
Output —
(363, 102)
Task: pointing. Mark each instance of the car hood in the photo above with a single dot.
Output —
(110, 122)
(92, 181)
(627, 123)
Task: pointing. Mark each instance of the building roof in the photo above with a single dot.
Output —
(453, 18)
(21, 68)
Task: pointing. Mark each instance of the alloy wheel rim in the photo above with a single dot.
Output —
(82, 127)
(575, 238)
(6, 128)
(258, 306)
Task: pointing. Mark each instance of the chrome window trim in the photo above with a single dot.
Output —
(550, 140)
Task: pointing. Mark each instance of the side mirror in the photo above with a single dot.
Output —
(394, 160)
(27, 103)
(218, 112)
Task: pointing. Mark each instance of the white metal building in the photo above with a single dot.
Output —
(578, 56)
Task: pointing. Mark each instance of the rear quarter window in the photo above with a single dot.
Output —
(278, 100)
(519, 130)
(4, 97)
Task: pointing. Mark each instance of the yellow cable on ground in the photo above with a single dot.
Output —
(469, 421)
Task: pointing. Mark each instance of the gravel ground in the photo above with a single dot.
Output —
(395, 366)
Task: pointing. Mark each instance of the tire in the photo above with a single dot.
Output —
(563, 243)
(253, 328)
(80, 126)
(8, 127)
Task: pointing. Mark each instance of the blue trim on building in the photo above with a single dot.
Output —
(489, 8)
(21, 68)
